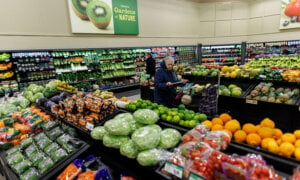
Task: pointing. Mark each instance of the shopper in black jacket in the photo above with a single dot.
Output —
(165, 83)
(150, 65)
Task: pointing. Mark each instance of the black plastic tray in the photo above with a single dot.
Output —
(10, 175)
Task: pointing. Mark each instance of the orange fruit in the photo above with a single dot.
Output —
(278, 133)
(240, 136)
(208, 124)
(265, 132)
(265, 142)
(297, 143)
(297, 153)
(253, 139)
(228, 132)
(273, 146)
(279, 141)
(249, 128)
(217, 121)
(288, 137)
(286, 149)
(257, 127)
(232, 125)
(217, 127)
(225, 117)
(267, 122)
(297, 133)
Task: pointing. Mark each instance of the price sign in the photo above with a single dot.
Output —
(193, 176)
(174, 169)
(251, 101)
(89, 126)
(262, 76)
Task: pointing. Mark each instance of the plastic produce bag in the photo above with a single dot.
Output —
(25, 143)
(51, 148)
(145, 116)
(30, 174)
(152, 157)
(72, 170)
(49, 125)
(129, 149)
(218, 140)
(119, 127)
(98, 133)
(14, 158)
(55, 133)
(114, 141)
(169, 138)
(146, 137)
(45, 164)
(40, 156)
(21, 166)
(58, 154)
(196, 134)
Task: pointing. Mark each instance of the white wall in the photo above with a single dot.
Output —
(43, 24)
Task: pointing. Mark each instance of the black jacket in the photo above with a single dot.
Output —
(150, 66)
(164, 94)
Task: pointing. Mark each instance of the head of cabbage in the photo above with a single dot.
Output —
(114, 141)
(145, 116)
(129, 149)
(146, 137)
(119, 127)
(169, 138)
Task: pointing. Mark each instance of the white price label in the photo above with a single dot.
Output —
(174, 169)
(193, 176)
(251, 101)
(89, 126)
(262, 76)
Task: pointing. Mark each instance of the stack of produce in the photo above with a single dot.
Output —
(137, 136)
(34, 92)
(63, 86)
(104, 94)
(48, 103)
(180, 115)
(268, 74)
(199, 157)
(201, 70)
(291, 75)
(181, 68)
(33, 157)
(6, 75)
(5, 66)
(230, 90)
(4, 56)
(19, 126)
(84, 111)
(264, 135)
(275, 62)
(267, 92)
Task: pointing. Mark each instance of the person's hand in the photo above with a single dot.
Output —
(184, 81)
(169, 84)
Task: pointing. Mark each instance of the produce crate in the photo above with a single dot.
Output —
(10, 174)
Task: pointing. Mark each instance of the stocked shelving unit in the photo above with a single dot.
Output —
(8, 81)
(220, 55)
(186, 55)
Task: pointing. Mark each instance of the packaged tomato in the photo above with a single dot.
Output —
(216, 158)
(259, 171)
(235, 168)
(218, 140)
(296, 174)
(196, 134)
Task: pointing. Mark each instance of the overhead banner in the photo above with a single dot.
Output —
(104, 16)
(290, 14)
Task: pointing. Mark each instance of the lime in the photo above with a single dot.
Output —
(154, 105)
(192, 123)
(176, 119)
(181, 122)
(157, 111)
(181, 106)
(169, 118)
(188, 117)
(174, 113)
(202, 117)
(164, 116)
(144, 105)
(181, 115)
(132, 107)
(170, 113)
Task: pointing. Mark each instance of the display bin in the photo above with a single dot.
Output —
(283, 165)
(200, 79)
(10, 174)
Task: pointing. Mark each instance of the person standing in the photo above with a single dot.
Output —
(150, 65)
(165, 83)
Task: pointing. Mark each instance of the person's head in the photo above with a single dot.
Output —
(148, 55)
(169, 62)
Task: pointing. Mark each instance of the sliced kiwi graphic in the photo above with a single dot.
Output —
(99, 13)
(79, 7)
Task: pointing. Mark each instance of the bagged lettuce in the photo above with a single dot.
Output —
(129, 149)
(98, 133)
(146, 116)
(146, 137)
(114, 141)
(152, 157)
(169, 138)
(118, 127)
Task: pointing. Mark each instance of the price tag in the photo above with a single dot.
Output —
(89, 126)
(262, 76)
(89, 70)
(193, 176)
(174, 169)
(251, 101)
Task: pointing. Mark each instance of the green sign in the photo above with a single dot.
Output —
(125, 17)
(104, 16)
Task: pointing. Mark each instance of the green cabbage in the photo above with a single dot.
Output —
(31, 87)
(51, 84)
(28, 94)
(36, 96)
(129, 149)
(169, 138)
(98, 132)
(146, 116)
(6, 108)
(148, 157)
(49, 92)
(127, 116)
(114, 141)
(119, 127)
(146, 137)
(157, 127)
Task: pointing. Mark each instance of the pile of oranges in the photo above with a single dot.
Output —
(264, 134)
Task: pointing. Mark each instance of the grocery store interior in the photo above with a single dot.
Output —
(76, 101)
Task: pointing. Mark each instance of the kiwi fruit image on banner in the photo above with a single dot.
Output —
(79, 7)
(99, 13)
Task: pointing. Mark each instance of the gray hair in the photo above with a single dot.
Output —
(169, 58)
